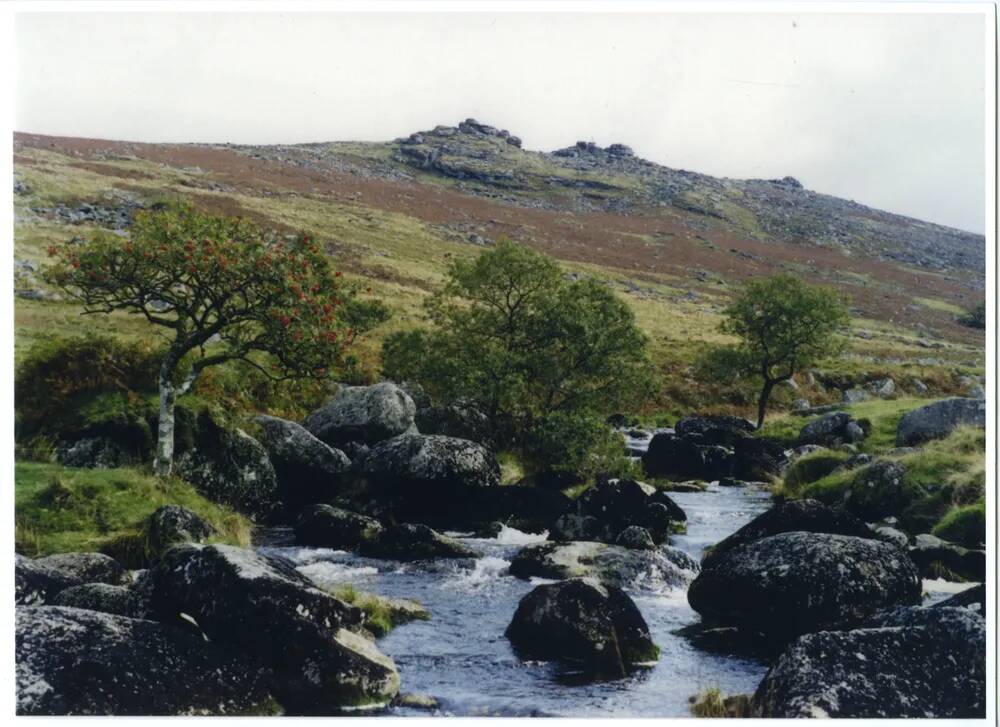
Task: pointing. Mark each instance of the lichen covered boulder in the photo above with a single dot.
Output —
(70, 661)
(663, 567)
(596, 627)
(795, 583)
(35, 584)
(365, 414)
(118, 600)
(912, 662)
(308, 470)
(172, 524)
(938, 420)
(797, 515)
(325, 526)
(430, 462)
(266, 608)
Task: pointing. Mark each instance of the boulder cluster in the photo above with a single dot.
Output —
(245, 633)
(712, 448)
(838, 606)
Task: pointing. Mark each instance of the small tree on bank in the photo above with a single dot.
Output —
(223, 287)
(516, 339)
(784, 326)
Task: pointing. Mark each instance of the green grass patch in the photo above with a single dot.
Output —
(60, 509)
(382, 615)
(810, 468)
(964, 524)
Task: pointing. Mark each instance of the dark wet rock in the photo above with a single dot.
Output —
(828, 431)
(409, 542)
(605, 510)
(612, 564)
(171, 524)
(265, 607)
(307, 469)
(366, 414)
(729, 641)
(937, 558)
(118, 600)
(325, 526)
(757, 459)
(34, 584)
(595, 626)
(721, 430)
(973, 599)
(86, 567)
(938, 420)
(232, 468)
(797, 515)
(93, 453)
(669, 455)
(635, 537)
(927, 663)
(798, 582)
(72, 661)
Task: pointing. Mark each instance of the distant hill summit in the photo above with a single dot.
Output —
(487, 161)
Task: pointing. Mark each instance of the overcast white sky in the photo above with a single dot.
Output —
(887, 110)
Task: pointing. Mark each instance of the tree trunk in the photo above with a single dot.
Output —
(164, 462)
(765, 394)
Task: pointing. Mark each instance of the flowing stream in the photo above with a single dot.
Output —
(461, 657)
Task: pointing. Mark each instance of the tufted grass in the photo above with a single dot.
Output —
(61, 509)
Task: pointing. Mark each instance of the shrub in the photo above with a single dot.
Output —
(975, 318)
(965, 525)
(576, 447)
(57, 371)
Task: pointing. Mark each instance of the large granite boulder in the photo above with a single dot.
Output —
(795, 583)
(71, 661)
(664, 567)
(797, 515)
(232, 468)
(408, 542)
(86, 567)
(938, 420)
(266, 608)
(325, 526)
(596, 627)
(36, 585)
(455, 420)
(756, 459)
(365, 414)
(308, 470)
(605, 510)
(911, 662)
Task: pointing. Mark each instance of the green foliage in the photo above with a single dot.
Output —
(578, 446)
(810, 468)
(783, 325)
(975, 318)
(59, 509)
(965, 525)
(517, 340)
(709, 704)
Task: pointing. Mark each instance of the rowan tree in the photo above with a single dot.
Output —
(225, 289)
